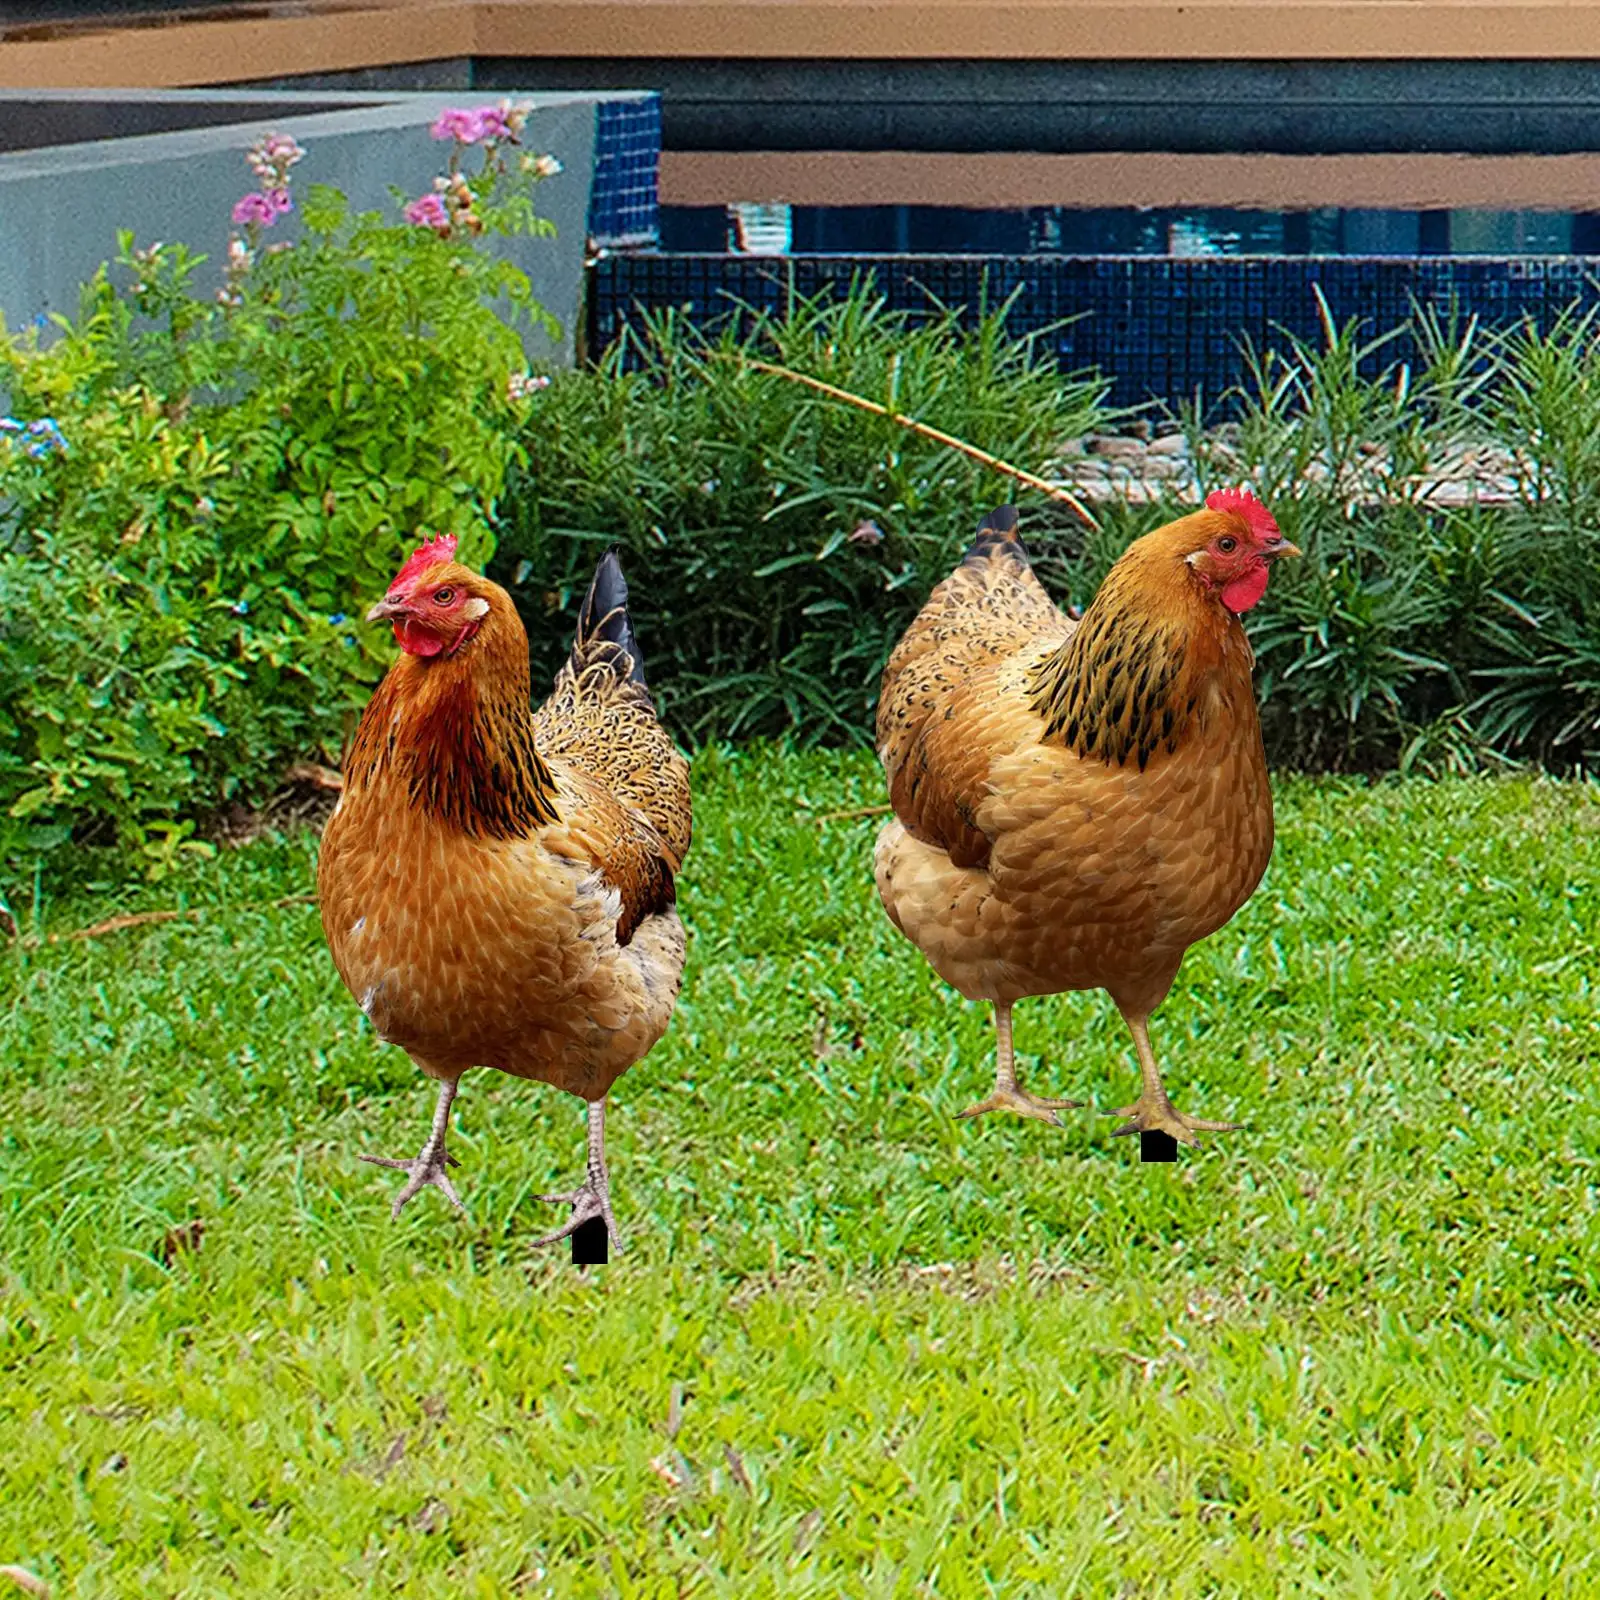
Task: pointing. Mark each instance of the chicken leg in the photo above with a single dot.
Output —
(428, 1168)
(1008, 1094)
(593, 1198)
(1153, 1111)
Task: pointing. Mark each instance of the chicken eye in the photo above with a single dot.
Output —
(443, 597)
(1227, 544)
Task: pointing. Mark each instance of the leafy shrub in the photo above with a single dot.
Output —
(781, 540)
(1353, 649)
(1539, 632)
(228, 478)
(1441, 637)
(1436, 638)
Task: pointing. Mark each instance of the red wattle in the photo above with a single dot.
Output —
(416, 641)
(1245, 591)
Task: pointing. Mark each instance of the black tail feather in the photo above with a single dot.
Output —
(997, 535)
(604, 617)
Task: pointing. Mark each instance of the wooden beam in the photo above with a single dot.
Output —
(1082, 30)
(176, 49)
(1250, 182)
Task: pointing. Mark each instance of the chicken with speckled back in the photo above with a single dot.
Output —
(497, 883)
(1076, 803)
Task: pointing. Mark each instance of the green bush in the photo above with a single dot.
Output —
(222, 480)
(780, 540)
(1354, 649)
(1413, 635)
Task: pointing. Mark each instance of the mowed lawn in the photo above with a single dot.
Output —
(854, 1347)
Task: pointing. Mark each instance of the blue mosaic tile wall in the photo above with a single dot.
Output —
(1161, 328)
(623, 203)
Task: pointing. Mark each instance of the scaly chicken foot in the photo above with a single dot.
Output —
(1153, 1112)
(1157, 1114)
(1008, 1094)
(427, 1169)
(593, 1198)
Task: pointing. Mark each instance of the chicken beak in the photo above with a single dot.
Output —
(387, 609)
(1284, 549)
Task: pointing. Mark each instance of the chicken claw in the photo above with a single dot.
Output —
(1009, 1095)
(428, 1167)
(587, 1203)
(1155, 1113)
(593, 1198)
(1024, 1104)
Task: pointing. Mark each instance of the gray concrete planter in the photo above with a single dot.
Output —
(76, 166)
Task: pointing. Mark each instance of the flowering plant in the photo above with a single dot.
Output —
(462, 204)
(38, 438)
(198, 487)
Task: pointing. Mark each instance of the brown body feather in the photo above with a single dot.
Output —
(1075, 804)
(497, 883)
(600, 724)
(988, 609)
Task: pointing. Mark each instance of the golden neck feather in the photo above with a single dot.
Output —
(1141, 665)
(455, 736)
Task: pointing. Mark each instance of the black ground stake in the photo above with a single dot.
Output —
(1154, 1145)
(591, 1246)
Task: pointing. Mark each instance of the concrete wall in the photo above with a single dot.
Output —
(61, 206)
(38, 120)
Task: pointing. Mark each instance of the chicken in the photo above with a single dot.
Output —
(497, 882)
(1076, 803)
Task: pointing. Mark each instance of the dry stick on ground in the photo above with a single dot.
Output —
(844, 816)
(140, 919)
(317, 776)
(1054, 490)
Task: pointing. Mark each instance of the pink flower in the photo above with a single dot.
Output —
(282, 147)
(458, 124)
(474, 127)
(262, 208)
(429, 212)
(271, 158)
(256, 208)
(492, 123)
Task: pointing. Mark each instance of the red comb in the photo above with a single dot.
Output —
(1242, 503)
(427, 554)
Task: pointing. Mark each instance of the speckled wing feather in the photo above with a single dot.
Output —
(990, 609)
(626, 786)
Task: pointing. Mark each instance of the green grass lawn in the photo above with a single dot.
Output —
(854, 1347)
